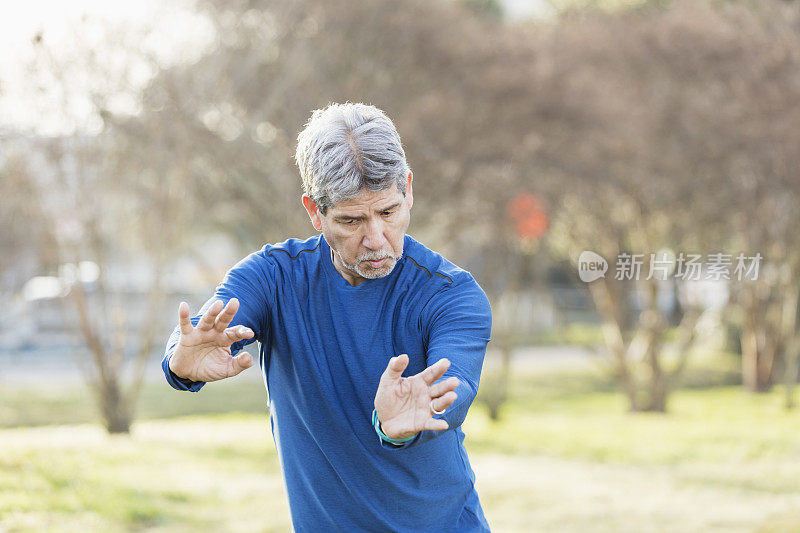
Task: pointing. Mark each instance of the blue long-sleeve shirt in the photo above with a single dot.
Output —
(324, 346)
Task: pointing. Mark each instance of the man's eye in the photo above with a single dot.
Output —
(349, 222)
(387, 213)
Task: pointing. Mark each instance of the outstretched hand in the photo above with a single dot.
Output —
(404, 405)
(203, 352)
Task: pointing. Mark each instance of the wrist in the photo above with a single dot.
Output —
(399, 436)
(176, 370)
(392, 438)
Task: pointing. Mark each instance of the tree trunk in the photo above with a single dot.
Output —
(654, 324)
(791, 343)
(116, 407)
(497, 392)
(758, 345)
(790, 372)
(645, 350)
(607, 306)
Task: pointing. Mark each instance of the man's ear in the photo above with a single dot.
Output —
(409, 190)
(313, 212)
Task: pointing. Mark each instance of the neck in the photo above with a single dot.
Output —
(349, 276)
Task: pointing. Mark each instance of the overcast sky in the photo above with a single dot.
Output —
(174, 32)
(170, 26)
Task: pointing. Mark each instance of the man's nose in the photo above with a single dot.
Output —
(374, 238)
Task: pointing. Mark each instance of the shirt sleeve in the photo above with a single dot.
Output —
(252, 282)
(457, 325)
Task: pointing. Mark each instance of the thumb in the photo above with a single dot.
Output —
(394, 370)
(241, 362)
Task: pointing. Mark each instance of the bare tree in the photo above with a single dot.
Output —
(669, 128)
(101, 206)
(644, 130)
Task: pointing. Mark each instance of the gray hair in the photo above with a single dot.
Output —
(347, 147)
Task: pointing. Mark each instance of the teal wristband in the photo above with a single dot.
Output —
(377, 425)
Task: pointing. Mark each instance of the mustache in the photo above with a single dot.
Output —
(375, 256)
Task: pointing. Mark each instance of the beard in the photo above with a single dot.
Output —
(365, 270)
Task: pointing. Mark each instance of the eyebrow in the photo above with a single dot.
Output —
(362, 217)
(393, 206)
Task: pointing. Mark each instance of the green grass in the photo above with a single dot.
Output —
(575, 334)
(720, 424)
(565, 456)
(580, 415)
(203, 473)
(58, 404)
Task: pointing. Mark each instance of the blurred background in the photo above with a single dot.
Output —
(145, 147)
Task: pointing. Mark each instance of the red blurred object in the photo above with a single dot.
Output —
(527, 212)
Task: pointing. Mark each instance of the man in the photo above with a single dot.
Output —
(371, 344)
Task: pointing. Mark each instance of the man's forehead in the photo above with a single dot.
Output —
(367, 199)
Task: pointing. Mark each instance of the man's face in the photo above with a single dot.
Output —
(365, 233)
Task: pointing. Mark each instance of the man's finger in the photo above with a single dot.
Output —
(241, 362)
(238, 333)
(183, 319)
(394, 370)
(442, 387)
(435, 371)
(443, 402)
(207, 322)
(227, 314)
